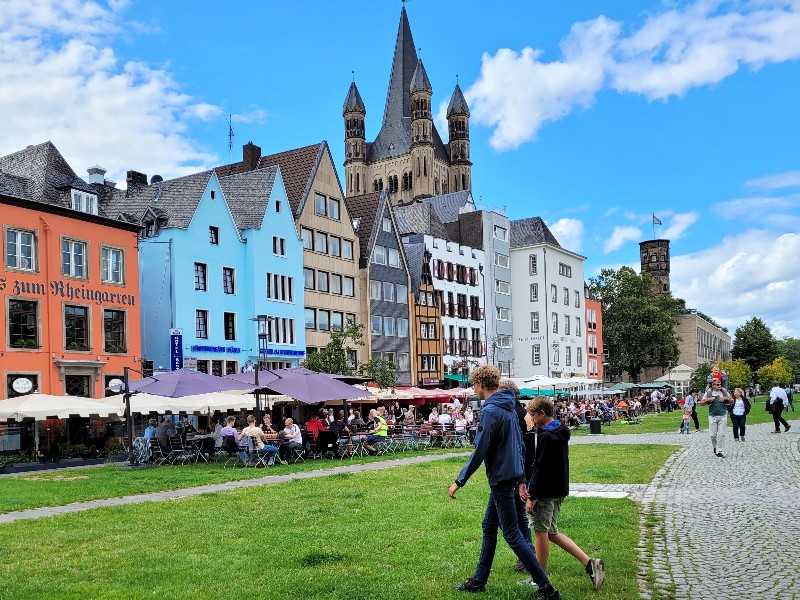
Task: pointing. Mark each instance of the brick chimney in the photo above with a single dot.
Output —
(135, 180)
(251, 154)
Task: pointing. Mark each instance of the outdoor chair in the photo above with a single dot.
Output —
(327, 442)
(157, 454)
(228, 450)
(179, 453)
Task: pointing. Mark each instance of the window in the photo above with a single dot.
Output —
(337, 321)
(535, 322)
(76, 328)
(503, 314)
(564, 270)
(374, 290)
(213, 235)
(335, 245)
(386, 225)
(320, 205)
(73, 258)
(402, 361)
(308, 238)
(534, 292)
(402, 294)
(555, 322)
(278, 246)
(553, 293)
(229, 321)
(311, 318)
(379, 255)
(333, 209)
(388, 292)
(77, 385)
(281, 287)
(323, 320)
(349, 318)
(402, 327)
(347, 249)
(20, 250)
(111, 261)
(555, 354)
(375, 325)
(578, 326)
(394, 257)
(308, 278)
(502, 287)
(84, 202)
(201, 324)
(430, 362)
(579, 356)
(388, 325)
(228, 285)
(577, 299)
(501, 260)
(277, 206)
(149, 229)
(389, 356)
(200, 279)
(213, 194)
(532, 265)
(336, 284)
(500, 233)
(320, 242)
(568, 356)
(349, 287)
(322, 281)
(503, 341)
(427, 331)
(566, 325)
(22, 324)
(566, 297)
(536, 354)
(114, 331)
(280, 331)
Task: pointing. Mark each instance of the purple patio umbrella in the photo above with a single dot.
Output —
(185, 382)
(304, 385)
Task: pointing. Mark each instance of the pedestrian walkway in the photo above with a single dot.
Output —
(717, 528)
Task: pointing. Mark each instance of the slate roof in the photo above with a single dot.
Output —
(394, 138)
(353, 102)
(526, 232)
(14, 186)
(366, 208)
(414, 256)
(420, 79)
(458, 104)
(247, 195)
(418, 217)
(175, 200)
(448, 206)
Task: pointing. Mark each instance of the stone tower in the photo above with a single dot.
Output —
(408, 156)
(655, 260)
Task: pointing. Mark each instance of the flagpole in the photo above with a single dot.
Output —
(654, 226)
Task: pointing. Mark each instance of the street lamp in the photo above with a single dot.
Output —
(263, 350)
(118, 386)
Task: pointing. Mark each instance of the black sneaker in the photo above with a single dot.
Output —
(471, 585)
(518, 566)
(550, 594)
(788, 427)
(720, 455)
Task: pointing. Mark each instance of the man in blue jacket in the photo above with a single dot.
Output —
(498, 444)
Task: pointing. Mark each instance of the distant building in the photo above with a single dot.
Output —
(426, 329)
(594, 336)
(655, 260)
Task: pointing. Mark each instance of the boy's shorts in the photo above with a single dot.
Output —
(545, 515)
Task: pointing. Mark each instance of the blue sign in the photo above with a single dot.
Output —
(176, 349)
(223, 349)
(281, 352)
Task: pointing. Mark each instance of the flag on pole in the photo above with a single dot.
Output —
(656, 220)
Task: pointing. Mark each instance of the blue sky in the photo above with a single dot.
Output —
(591, 115)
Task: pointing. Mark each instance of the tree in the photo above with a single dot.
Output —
(383, 372)
(753, 342)
(779, 370)
(336, 356)
(699, 379)
(638, 324)
(790, 349)
(739, 374)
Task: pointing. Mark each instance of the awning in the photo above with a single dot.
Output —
(457, 377)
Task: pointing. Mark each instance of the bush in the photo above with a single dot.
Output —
(69, 450)
(10, 459)
(114, 446)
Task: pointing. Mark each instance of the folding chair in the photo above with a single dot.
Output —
(230, 450)
(178, 451)
(328, 442)
(157, 455)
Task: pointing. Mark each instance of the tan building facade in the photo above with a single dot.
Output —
(701, 341)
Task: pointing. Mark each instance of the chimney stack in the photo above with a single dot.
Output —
(251, 154)
(135, 180)
(96, 174)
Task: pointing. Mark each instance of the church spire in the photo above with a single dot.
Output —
(353, 101)
(404, 63)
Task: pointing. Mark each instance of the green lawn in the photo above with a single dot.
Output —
(387, 534)
(664, 422)
(589, 464)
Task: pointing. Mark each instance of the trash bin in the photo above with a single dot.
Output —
(594, 427)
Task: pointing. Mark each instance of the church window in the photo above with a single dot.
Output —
(358, 184)
(380, 184)
(436, 186)
(418, 166)
(463, 181)
(425, 166)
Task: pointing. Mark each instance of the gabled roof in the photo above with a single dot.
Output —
(366, 209)
(458, 104)
(526, 232)
(414, 255)
(449, 206)
(353, 102)
(418, 217)
(394, 137)
(247, 195)
(178, 198)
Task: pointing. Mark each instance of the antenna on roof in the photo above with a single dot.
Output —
(354, 75)
(231, 135)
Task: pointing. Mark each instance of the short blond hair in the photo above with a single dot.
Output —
(508, 384)
(487, 375)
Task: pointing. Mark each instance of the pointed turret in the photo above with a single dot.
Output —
(458, 104)
(458, 128)
(420, 81)
(355, 144)
(353, 102)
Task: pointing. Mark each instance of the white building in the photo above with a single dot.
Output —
(547, 303)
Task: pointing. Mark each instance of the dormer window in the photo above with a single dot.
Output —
(83, 202)
(150, 229)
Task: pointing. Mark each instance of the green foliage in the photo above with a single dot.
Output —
(70, 450)
(699, 379)
(779, 370)
(739, 373)
(382, 372)
(10, 459)
(638, 324)
(335, 357)
(790, 348)
(754, 343)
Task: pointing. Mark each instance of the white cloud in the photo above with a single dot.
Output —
(569, 233)
(753, 273)
(254, 115)
(674, 50)
(776, 181)
(62, 82)
(678, 225)
(619, 236)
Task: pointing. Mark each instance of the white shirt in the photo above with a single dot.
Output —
(293, 434)
(778, 393)
(654, 396)
(738, 407)
(444, 419)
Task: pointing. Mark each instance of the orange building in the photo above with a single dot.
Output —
(69, 283)
(594, 336)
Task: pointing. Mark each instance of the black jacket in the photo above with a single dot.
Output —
(550, 471)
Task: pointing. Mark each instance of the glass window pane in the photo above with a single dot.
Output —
(394, 257)
(323, 320)
(375, 325)
(319, 204)
(335, 245)
(402, 294)
(347, 249)
(320, 242)
(311, 318)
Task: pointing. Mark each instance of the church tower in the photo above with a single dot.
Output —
(458, 125)
(655, 260)
(354, 141)
(421, 135)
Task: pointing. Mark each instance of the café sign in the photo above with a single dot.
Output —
(65, 289)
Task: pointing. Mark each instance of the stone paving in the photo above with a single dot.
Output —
(720, 528)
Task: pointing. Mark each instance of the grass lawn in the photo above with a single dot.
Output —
(666, 422)
(387, 534)
(588, 464)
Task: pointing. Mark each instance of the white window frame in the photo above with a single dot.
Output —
(504, 341)
(503, 311)
(502, 287)
(535, 321)
(393, 257)
(534, 292)
(501, 260)
(532, 264)
(500, 233)
(72, 242)
(106, 276)
(536, 354)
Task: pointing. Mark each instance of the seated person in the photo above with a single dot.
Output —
(460, 424)
(164, 432)
(292, 439)
(469, 415)
(446, 417)
(216, 432)
(229, 431)
(150, 432)
(266, 426)
(433, 418)
(339, 426)
(255, 432)
(622, 408)
(313, 427)
(377, 432)
(185, 427)
(410, 417)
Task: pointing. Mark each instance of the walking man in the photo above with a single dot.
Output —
(498, 443)
(790, 398)
(777, 400)
(717, 399)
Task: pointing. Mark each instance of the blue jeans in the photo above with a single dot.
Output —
(506, 511)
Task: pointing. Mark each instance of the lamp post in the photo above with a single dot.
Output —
(263, 350)
(125, 388)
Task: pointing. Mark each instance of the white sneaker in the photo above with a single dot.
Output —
(528, 581)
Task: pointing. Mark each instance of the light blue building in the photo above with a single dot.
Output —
(221, 270)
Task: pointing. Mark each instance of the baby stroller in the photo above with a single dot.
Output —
(604, 414)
